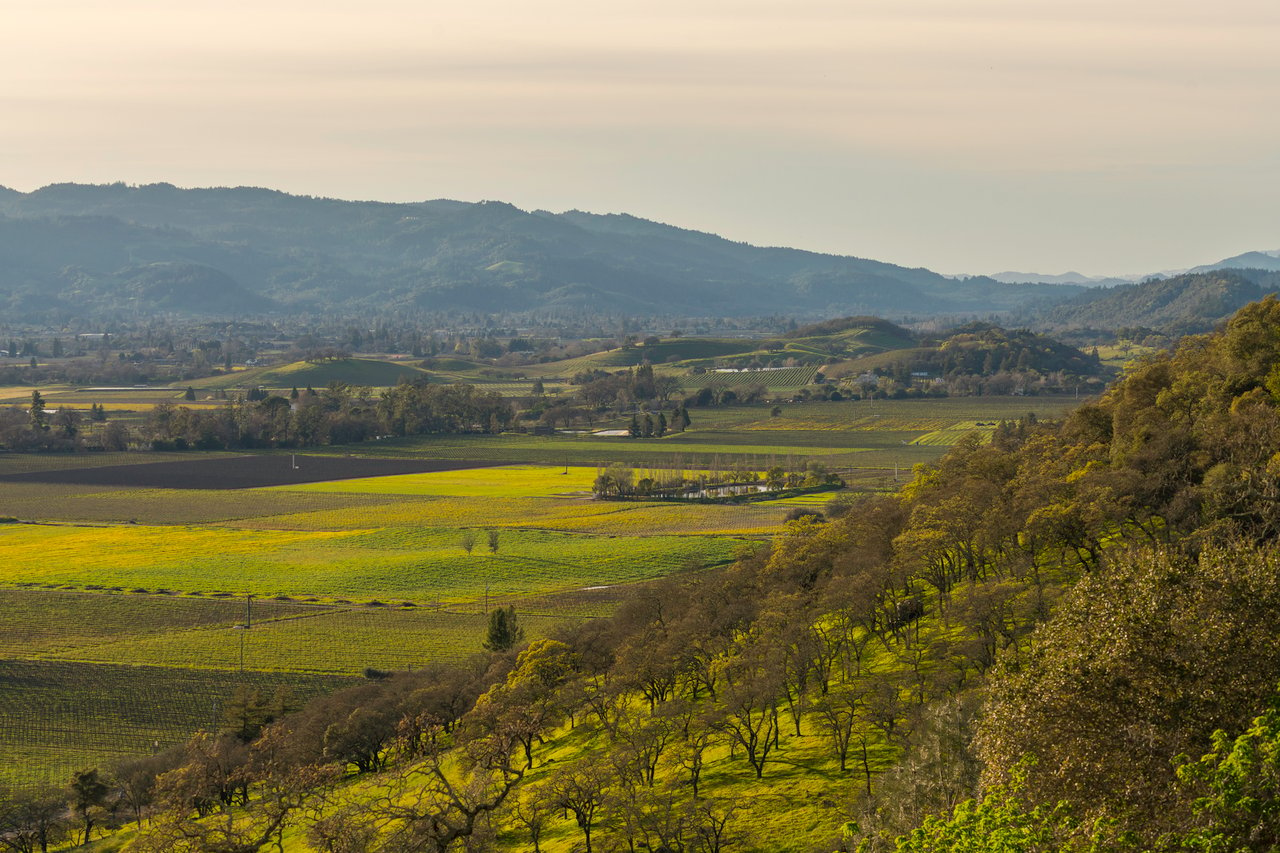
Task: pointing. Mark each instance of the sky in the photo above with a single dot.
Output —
(967, 136)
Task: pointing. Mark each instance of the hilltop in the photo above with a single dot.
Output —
(317, 374)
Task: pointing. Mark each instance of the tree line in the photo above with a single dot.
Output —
(336, 414)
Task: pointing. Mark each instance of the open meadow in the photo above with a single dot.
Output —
(128, 577)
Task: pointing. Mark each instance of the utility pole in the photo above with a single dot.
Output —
(241, 630)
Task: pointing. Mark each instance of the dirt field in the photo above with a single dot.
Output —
(241, 472)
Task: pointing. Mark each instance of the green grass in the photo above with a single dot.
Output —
(682, 354)
(341, 641)
(21, 463)
(951, 435)
(43, 623)
(64, 502)
(402, 563)
(697, 448)
(669, 350)
(300, 374)
(508, 481)
(803, 798)
(785, 380)
(117, 673)
(859, 434)
(577, 515)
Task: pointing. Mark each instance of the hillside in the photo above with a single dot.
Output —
(812, 346)
(299, 254)
(1188, 303)
(301, 374)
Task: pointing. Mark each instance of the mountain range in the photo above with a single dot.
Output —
(116, 250)
(119, 250)
(1248, 260)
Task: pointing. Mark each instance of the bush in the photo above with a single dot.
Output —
(804, 512)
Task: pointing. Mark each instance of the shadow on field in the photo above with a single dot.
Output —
(240, 472)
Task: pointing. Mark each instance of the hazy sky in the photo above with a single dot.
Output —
(963, 135)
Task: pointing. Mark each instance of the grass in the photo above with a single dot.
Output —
(63, 502)
(91, 670)
(679, 355)
(668, 350)
(781, 381)
(860, 434)
(300, 374)
(333, 640)
(1122, 355)
(403, 563)
(698, 448)
(21, 463)
(803, 798)
(44, 623)
(508, 481)
(950, 435)
(580, 516)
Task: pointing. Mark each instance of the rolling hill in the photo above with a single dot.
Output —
(300, 374)
(1188, 303)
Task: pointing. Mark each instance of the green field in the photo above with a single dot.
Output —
(334, 640)
(300, 374)
(105, 586)
(119, 606)
(879, 434)
(400, 563)
(776, 380)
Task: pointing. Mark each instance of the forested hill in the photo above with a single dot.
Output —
(1189, 303)
(123, 250)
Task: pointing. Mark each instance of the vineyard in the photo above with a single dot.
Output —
(42, 623)
(954, 433)
(121, 600)
(58, 717)
(335, 640)
(120, 607)
(351, 371)
(776, 380)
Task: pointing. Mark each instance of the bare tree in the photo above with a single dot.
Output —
(32, 822)
(282, 790)
(579, 789)
(433, 804)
